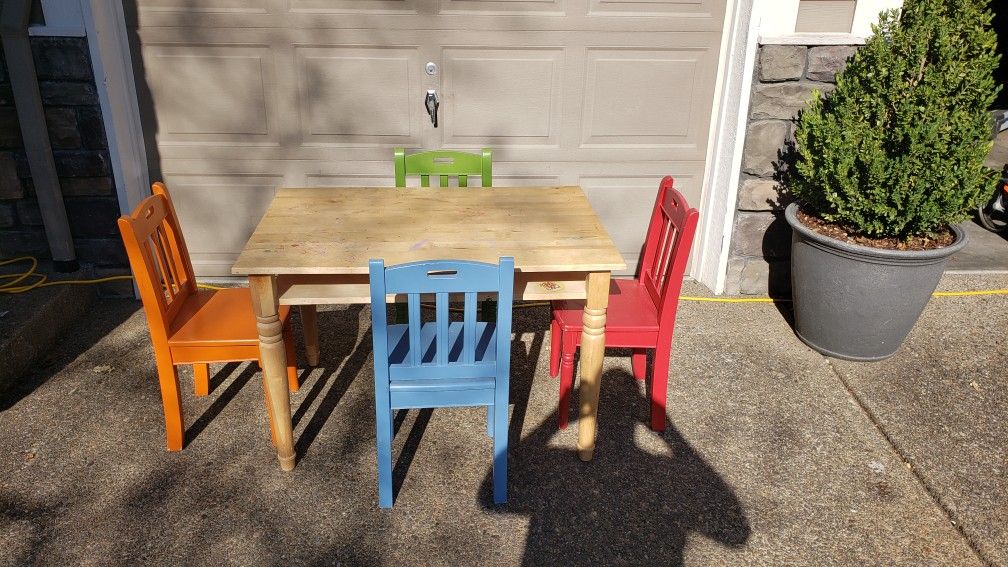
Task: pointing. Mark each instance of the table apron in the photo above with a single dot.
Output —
(342, 289)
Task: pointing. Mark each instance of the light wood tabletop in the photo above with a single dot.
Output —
(337, 230)
(313, 246)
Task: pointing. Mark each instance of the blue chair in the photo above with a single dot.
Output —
(442, 363)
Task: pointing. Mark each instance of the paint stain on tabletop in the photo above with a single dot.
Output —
(420, 244)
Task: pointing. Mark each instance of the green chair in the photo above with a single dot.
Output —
(443, 164)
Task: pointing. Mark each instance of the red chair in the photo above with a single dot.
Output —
(641, 313)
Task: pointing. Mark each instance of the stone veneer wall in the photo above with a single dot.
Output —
(761, 239)
(77, 136)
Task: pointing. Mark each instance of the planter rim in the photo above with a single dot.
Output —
(791, 214)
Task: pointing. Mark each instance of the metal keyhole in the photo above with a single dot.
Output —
(431, 68)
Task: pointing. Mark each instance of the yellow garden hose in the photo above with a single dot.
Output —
(15, 284)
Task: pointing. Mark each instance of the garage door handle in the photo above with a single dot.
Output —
(432, 104)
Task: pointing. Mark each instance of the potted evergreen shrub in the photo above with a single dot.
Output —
(885, 167)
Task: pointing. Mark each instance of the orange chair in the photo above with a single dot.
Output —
(188, 325)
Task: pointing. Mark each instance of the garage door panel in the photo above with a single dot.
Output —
(656, 8)
(645, 98)
(352, 95)
(352, 7)
(253, 96)
(204, 6)
(218, 213)
(206, 93)
(477, 15)
(500, 97)
(624, 202)
(503, 7)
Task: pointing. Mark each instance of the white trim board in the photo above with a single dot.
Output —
(724, 152)
(113, 68)
(779, 26)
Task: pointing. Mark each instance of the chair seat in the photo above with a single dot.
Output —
(630, 309)
(484, 365)
(217, 318)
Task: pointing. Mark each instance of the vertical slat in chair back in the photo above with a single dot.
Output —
(442, 278)
(158, 257)
(443, 165)
(667, 247)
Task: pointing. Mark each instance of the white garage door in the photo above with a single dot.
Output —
(243, 97)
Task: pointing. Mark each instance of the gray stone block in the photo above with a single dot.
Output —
(86, 186)
(24, 241)
(62, 125)
(28, 212)
(733, 274)
(23, 168)
(62, 58)
(782, 62)
(101, 251)
(762, 277)
(8, 217)
(81, 163)
(91, 127)
(92, 217)
(62, 93)
(10, 183)
(826, 61)
(763, 146)
(783, 100)
(10, 128)
(759, 195)
(761, 235)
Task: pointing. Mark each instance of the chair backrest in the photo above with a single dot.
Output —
(667, 248)
(442, 277)
(444, 164)
(159, 259)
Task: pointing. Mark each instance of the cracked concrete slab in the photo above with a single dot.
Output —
(767, 460)
(943, 402)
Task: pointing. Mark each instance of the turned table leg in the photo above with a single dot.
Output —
(274, 364)
(592, 353)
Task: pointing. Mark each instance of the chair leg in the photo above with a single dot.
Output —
(555, 350)
(500, 447)
(490, 421)
(569, 343)
(292, 376)
(639, 362)
(659, 384)
(201, 377)
(383, 421)
(309, 328)
(172, 403)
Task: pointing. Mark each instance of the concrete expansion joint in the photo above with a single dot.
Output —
(931, 491)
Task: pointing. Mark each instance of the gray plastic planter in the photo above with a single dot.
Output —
(855, 302)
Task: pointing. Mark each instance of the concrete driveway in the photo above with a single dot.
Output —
(773, 455)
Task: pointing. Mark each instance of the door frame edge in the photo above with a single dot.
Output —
(723, 164)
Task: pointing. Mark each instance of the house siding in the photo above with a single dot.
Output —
(80, 152)
(784, 78)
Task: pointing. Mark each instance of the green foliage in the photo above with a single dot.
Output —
(898, 148)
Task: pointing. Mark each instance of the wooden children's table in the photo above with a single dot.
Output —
(313, 245)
